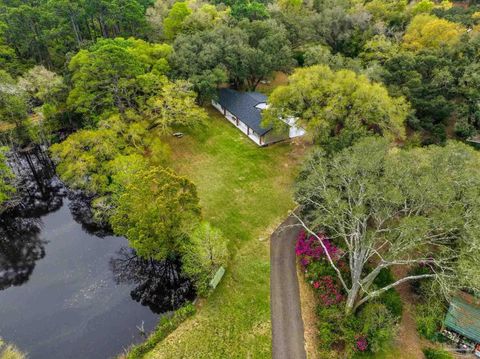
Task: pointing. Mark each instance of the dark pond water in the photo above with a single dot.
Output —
(67, 290)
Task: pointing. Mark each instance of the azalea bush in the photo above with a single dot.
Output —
(372, 328)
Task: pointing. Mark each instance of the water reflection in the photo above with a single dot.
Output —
(38, 189)
(159, 285)
(20, 248)
(57, 295)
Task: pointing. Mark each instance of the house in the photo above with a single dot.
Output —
(244, 110)
(462, 322)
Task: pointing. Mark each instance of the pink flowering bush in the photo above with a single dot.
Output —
(329, 293)
(361, 343)
(308, 248)
(369, 330)
(313, 256)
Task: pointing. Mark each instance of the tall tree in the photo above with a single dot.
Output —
(337, 107)
(107, 78)
(45, 31)
(174, 21)
(13, 101)
(245, 54)
(43, 86)
(156, 211)
(428, 31)
(387, 207)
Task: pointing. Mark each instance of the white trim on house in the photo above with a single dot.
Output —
(294, 131)
(238, 124)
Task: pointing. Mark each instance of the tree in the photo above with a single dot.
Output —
(252, 10)
(107, 78)
(175, 18)
(6, 176)
(13, 101)
(393, 12)
(428, 31)
(155, 212)
(268, 50)
(206, 17)
(203, 254)
(380, 49)
(42, 85)
(388, 207)
(245, 55)
(174, 106)
(429, 80)
(338, 107)
(84, 158)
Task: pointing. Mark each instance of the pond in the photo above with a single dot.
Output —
(68, 289)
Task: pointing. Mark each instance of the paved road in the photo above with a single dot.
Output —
(287, 323)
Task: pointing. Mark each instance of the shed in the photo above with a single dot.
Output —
(463, 317)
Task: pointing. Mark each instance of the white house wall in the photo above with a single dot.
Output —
(217, 106)
(254, 137)
(241, 126)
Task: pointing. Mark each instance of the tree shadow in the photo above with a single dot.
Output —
(159, 285)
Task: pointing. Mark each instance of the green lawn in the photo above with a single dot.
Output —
(245, 191)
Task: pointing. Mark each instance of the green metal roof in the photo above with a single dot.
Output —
(464, 318)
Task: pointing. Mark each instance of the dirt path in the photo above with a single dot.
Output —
(408, 339)
(287, 324)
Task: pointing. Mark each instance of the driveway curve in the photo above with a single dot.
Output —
(287, 323)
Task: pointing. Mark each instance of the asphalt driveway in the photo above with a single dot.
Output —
(287, 323)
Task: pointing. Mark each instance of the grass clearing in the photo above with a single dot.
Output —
(245, 191)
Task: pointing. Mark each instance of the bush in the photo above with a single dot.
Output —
(378, 325)
(429, 317)
(204, 253)
(431, 353)
(391, 299)
(164, 328)
(335, 328)
(384, 278)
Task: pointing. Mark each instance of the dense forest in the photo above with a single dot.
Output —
(103, 84)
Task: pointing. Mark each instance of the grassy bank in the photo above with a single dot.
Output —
(245, 191)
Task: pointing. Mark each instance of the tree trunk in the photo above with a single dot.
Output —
(76, 29)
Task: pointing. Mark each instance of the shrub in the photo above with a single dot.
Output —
(431, 353)
(378, 325)
(391, 299)
(164, 328)
(429, 318)
(335, 328)
(203, 255)
(384, 278)
(308, 248)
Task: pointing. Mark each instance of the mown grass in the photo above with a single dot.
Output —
(245, 191)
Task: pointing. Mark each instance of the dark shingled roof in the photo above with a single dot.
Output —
(464, 318)
(242, 105)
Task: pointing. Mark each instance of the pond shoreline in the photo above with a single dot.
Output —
(68, 288)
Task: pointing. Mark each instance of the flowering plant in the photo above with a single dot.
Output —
(329, 293)
(361, 343)
(309, 247)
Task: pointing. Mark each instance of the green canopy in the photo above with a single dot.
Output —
(464, 318)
